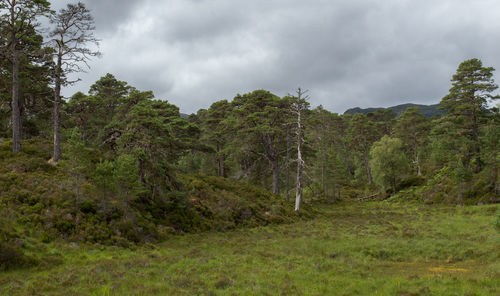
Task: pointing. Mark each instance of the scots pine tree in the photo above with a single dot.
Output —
(467, 107)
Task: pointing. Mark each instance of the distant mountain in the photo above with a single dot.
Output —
(427, 110)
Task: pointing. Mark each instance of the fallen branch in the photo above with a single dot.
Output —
(367, 197)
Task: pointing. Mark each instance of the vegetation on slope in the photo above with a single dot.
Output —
(39, 203)
(426, 110)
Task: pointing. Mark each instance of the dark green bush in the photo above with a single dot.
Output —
(11, 256)
(88, 207)
(412, 181)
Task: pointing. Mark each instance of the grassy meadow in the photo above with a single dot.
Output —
(376, 248)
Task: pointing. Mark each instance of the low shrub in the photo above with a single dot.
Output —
(12, 256)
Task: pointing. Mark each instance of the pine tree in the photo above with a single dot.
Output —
(218, 132)
(262, 118)
(73, 31)
(20, 17)
(412, 127)
(362, 133)
(467, 106)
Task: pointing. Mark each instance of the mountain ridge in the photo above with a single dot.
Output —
(426, 110)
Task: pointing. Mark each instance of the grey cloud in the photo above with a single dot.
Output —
(108, 14)
(347, 53)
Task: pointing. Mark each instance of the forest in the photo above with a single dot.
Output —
(117, 167)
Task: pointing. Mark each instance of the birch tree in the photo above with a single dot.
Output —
(389, 163)
(73, 32)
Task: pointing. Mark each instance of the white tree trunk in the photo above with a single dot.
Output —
(300, 161)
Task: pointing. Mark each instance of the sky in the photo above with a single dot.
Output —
(347, 53)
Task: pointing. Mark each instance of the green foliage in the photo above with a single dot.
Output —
(260, 128)
(34, 83)
(155, 134)
(103, 177)
(467, 106)
(388, 162)
(12, 256)
(88, 207)
(332, 160)
(105, 201)
(226, 204)
(85, 115)
(126, 178)
(413, 128)
(362, 133)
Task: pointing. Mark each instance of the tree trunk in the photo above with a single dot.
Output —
(142, 179)
(56, 154)
(367, 163)
(276, 176)
(415, 154)
(16, 112)
(84, 131)
(125, 208)
(298, 196)
(300, 162)
(220, 164)
(264, 179)
(288, 164)
(419, 170)
(323, 168)
(77, 188)
(496, 184)
(223, 167)
(477, 149)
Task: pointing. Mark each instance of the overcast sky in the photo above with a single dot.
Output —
(348, 53)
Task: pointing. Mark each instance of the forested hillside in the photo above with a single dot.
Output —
(118, 166)
(426, 110)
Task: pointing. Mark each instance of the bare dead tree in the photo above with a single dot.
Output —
(299, 105)
(19, 16)
(73, 33)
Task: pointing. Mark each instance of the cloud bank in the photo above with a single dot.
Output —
(365, 53)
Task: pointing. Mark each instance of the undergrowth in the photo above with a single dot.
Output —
(46, 204)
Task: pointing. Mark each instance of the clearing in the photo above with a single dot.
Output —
(376, 248)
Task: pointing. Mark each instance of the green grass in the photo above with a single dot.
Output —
(351, 249)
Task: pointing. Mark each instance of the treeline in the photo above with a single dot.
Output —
(130, 145)
(118, 132)
(454, 157)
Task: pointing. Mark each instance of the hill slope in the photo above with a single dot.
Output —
(38, 204)
(427, 110)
